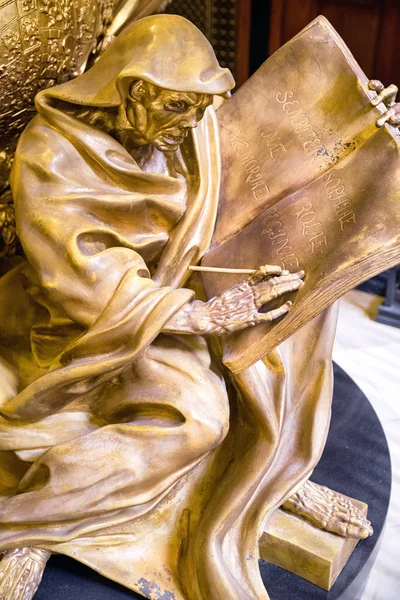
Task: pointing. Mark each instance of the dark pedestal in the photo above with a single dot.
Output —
(386, 284)
(355, 461)
(389, 310)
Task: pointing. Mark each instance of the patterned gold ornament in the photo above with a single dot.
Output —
(44, 43)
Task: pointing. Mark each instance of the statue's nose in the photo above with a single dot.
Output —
(190, 122)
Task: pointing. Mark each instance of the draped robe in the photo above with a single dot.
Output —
(132, 450)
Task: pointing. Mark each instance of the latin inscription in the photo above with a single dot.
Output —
(312, 228)
(274, 144)
(273, 228)
(340, 200)
(308, 137)
(253, 176)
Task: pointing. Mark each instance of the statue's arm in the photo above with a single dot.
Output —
(238, 307)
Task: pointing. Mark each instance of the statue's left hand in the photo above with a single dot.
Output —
(388, 97)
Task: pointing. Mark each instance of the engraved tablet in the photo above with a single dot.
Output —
(309, 182)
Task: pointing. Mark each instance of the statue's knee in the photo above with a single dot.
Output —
(219, 429)
(209, 417)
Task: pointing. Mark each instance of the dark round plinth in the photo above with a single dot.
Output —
(355, 461)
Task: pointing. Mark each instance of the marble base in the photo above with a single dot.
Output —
(299, 547)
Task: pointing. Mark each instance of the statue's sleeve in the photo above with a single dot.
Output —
(83, 232)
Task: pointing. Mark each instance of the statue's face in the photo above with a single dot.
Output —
(162, 117)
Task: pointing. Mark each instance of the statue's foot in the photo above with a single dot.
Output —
(328, 510)
(21, 572)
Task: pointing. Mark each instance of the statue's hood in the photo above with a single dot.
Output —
(166, 50)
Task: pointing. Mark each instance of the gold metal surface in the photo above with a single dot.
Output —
(43, 43)
(134, 450)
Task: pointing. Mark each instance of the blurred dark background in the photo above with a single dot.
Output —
(245, 32)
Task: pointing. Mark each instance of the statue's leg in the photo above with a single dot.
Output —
(21, 572)
(328, 510)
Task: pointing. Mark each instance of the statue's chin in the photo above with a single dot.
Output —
(166, 148)
(166, 144)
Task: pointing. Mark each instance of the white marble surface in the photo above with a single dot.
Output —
(370, 353)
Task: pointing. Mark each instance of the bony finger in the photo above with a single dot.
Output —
(395, 119)
(271, 315)
(286, 278)
(387, 96)
(263, 272)
(298, 275)
(270, 269)
(388, 115)
(376, 85)
(289, 277)
(278, 290)
(287, 286)
(291, 286)
(264, 294)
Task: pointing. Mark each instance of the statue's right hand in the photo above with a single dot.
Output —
(239, 306)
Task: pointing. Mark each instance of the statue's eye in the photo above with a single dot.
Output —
(176, 106)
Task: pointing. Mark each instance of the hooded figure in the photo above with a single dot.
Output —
(120, 445)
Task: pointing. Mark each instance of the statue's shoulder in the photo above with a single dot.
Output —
(38, 147)
(36, 134)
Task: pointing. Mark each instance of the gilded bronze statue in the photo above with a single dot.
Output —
(124, 441)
